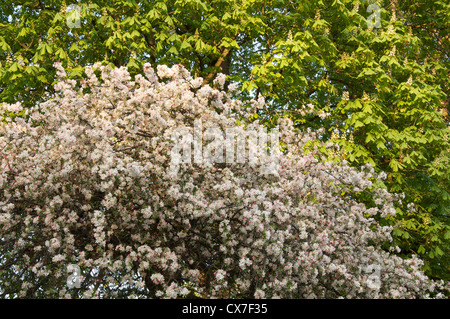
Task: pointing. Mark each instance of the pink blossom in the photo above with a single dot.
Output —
(87, 180)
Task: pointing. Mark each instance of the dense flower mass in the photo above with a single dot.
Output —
(86, 179)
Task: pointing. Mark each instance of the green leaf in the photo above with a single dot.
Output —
(15, 76)
(358, 124)
(367, 108)
(393, 164)
(185, 45)
(42, 79)
(14, 67)
(447, 234)
(173, 50)
(61, 54)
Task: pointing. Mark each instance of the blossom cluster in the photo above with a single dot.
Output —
(85, 180)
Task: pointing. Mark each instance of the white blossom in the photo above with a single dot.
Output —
(87, 180)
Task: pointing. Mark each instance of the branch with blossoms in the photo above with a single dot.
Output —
(96, 187)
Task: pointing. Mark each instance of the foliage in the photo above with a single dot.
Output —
(381, 93)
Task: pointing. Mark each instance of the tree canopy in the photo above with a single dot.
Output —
(90, 181)
(380, 92)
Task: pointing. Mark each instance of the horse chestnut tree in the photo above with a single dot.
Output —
(87, 181)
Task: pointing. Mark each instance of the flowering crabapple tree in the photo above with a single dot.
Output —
(87, 180)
